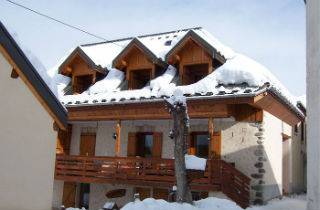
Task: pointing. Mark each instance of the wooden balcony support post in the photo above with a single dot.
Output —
(118, 137)
(211, 136)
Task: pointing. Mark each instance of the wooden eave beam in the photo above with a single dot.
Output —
(274, 106)
(155, 110)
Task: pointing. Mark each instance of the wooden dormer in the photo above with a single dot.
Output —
(194, 57)
(83, 71)
(139, 64)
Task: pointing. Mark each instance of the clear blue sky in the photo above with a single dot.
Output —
(270, 31)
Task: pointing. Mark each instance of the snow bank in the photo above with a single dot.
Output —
(164, 80)
(195, 163)
(236, 71)
(295, 202)
(110, 83)
(211, 203)
(227, 52)
(205, 204)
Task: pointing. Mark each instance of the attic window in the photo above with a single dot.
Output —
(82, 83)
(139, 78)
(194, 73)
(168, 43)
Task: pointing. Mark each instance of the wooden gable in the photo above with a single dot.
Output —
(138, 63)
(190, 52)
(193, 59)
(82, 71)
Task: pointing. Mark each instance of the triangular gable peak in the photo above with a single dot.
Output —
(83, 71)
(139, 64)
(194, 57)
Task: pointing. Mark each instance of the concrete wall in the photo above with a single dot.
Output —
(28, 143)
(313, 102)
(298, 160)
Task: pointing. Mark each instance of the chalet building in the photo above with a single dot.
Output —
(117, 142)
(29, 113)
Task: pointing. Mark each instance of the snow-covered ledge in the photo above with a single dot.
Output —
(195, 163)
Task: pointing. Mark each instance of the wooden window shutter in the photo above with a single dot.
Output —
(216, 145)
(157, 145)
(192, 143)
(132, 142)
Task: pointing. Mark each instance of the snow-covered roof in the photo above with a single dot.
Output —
(239, 76)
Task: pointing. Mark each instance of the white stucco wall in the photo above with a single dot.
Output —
(273, 150)
(28, 143)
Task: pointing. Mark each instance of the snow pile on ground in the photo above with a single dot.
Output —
(195, 163)
(205, 204)
(287, 203)
(295, 202)
(71, 208)
(110, 83)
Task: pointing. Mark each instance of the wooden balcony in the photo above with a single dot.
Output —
(219, 175)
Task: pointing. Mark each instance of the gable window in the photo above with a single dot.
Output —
(139, 78)
(194, 73)
(82, 83)
(199, 144)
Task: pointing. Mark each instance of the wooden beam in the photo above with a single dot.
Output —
(149, 111)
(277, 108)
(14, 74)
(118, 139)
(211, 135)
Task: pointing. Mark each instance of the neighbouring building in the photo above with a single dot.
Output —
(30, 117)
(242, 120)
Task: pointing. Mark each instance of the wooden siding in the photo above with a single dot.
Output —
(155, 110)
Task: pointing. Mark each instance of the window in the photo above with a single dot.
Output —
(139, 78)
(144, 145)
(199, 144)
(82, 83)
(194, 73)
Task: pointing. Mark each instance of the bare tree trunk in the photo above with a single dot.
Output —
(180, 133)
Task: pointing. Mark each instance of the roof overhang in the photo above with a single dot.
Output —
(29, 75)
(198, 107)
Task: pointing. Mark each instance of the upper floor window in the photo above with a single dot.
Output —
(139, 78)
(194, 73)
(82, 83)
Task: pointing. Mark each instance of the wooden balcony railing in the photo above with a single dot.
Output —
(219, 175)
